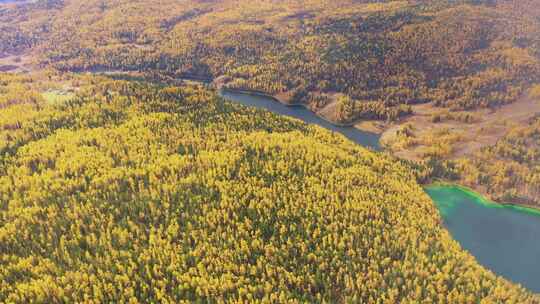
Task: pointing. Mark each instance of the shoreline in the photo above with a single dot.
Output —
(287, 104)
(484, 199)
(210, 81)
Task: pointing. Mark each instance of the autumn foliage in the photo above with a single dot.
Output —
(384, 55)
(130, 192)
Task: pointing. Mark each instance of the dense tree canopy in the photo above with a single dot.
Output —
(128, 192)
(125, 191)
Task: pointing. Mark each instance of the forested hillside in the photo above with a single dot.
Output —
(116, 191)
(436, 77)
(128, 192)
(382, 55)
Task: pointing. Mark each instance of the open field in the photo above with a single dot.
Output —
(57, 96)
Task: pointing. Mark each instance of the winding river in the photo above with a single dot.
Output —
(363, 138)
(504, 239)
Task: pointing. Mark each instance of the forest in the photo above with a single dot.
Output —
(150, 189)
(131, 192)
(382, 55)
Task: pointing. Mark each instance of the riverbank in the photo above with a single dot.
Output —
(265, 102)
(288, 104)
(135, 75)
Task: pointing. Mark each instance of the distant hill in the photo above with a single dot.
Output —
(383, 55)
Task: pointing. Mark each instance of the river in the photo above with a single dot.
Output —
(503, 239)
(358, 136)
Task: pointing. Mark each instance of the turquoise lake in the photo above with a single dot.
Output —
(504, 239)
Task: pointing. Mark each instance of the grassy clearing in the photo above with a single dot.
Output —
(57, 96)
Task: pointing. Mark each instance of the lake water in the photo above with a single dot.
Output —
(363, 138)
(504, 239)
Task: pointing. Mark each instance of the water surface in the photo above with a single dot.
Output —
(504, 239)
(366, 139)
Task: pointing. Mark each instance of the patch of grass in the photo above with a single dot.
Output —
(57, 96)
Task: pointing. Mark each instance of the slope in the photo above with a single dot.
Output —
(129, 192)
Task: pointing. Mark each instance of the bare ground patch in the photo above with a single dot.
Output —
(489, 126)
